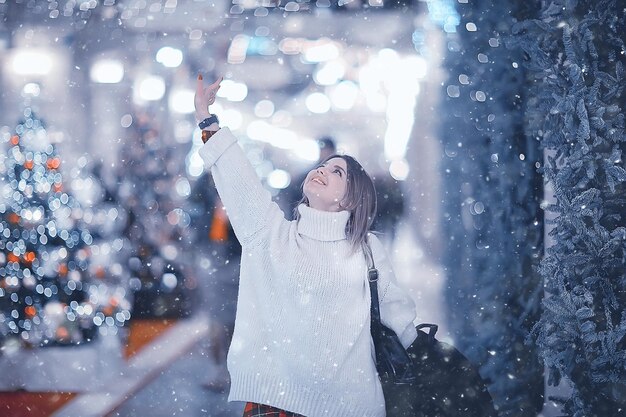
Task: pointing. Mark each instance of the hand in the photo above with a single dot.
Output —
(204, 97)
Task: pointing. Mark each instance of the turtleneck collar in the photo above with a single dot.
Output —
(322, 225)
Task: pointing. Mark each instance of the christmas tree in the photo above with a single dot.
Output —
(576, 51)
(47, 295)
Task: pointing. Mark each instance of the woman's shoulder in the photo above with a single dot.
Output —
(378, 249)
(373, 240)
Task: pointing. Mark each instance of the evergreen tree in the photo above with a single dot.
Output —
(47, 295)
(576, 53)
(492, 214)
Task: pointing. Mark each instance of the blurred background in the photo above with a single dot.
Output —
(119, 267)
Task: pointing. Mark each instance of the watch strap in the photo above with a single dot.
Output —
(208, 121)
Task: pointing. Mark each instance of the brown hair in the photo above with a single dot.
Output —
(360, 201)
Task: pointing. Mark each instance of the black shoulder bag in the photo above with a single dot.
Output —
(430, 378)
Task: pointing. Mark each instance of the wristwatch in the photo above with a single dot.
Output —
(208, 121)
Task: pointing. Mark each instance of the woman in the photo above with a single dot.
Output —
(302, 342)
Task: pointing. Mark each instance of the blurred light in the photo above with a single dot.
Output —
(169, 57)
(32, 89)
(126, 120)
(151, 88)
(278, 179)
(181, 101)
(195, 164)
(370, 80)
(282, 118)
(238, 48)
(232, 91)
(183, 130)
(400, 120)
(344, 95)
(376, 102)
(247, 4)
(169, 280)
(195, 34)
(329, 73)
(183, 188)
(388, 54)
(453, 91)
(260, 45)
(262, 131)
(417, 64)
(307, 149)
(291, 46)
(401, 79)
(32, 62)
(320, 51)
(292, 6)
(399, 169)
(317, 103)
(107, 71)
(264, 109)
(231, 118)
(443, 13)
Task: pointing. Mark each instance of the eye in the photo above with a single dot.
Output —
(338, 171)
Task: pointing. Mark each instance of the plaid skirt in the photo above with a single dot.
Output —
(260, 410)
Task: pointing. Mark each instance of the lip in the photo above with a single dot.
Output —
(319, 179)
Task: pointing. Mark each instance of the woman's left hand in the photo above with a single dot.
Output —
(204, 97)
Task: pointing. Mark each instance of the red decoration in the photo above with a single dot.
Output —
(30, 312)
(53, 163)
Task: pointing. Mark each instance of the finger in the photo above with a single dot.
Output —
(199, 84)
(216, 84)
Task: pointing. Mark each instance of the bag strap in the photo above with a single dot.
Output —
(372, 278)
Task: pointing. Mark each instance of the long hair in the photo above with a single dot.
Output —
(360, 201)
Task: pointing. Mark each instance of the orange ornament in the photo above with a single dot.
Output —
(29, 164)
(53, 163)
(63, 334)
(29, 257)
(58, 188)
(100, 272)
(15, 140)
(30, 312)
(12, 258)
(63, 270)
(13, 218)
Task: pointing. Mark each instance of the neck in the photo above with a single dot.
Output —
(322, 225)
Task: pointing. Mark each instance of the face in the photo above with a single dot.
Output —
(326, 185)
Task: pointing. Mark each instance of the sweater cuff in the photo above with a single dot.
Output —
(211, 151)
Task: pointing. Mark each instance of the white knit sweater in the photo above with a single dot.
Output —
(302, 338)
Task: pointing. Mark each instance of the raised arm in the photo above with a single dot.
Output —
(249, 205)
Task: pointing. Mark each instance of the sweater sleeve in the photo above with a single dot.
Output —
(397, 309)
(249, 205)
